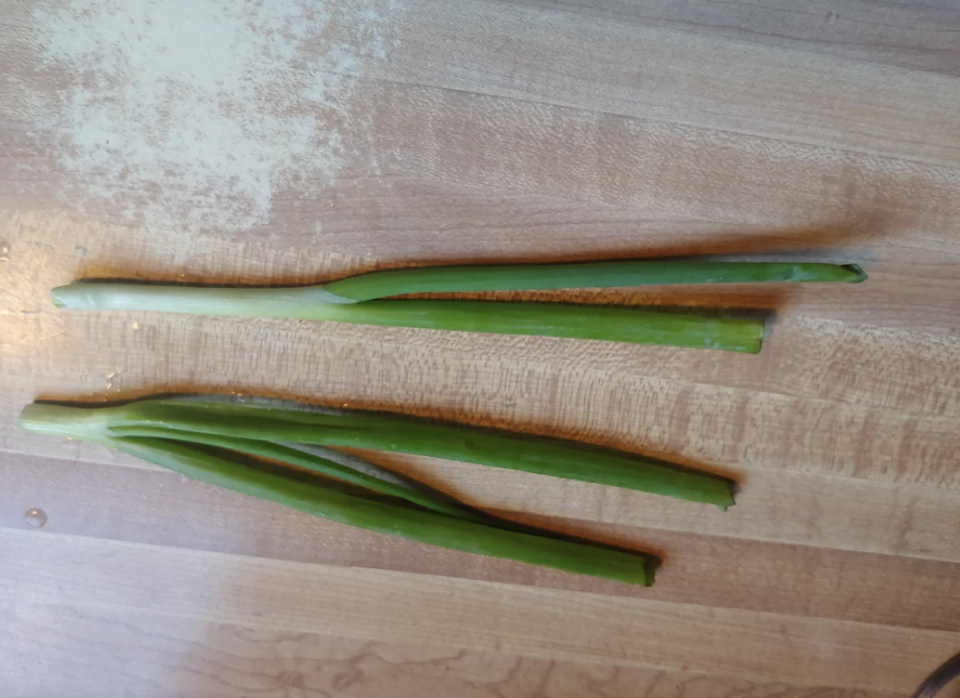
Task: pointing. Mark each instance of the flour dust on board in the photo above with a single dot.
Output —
(192, 114)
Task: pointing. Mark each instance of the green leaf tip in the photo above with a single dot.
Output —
(55, 296)
(859, 274)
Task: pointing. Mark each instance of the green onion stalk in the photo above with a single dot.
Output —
(285, 425)
(356, 299)
(258, 465)
(255, 449)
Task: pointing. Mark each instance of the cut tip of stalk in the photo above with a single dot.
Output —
(77, 296)
(58, 302)
(859, 275)
(57, 420)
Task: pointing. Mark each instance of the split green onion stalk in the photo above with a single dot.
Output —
(355, 300)
(255, 448)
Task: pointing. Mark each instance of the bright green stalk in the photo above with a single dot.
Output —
(489, 537)
(606, 274)
(384, 481)
(313, 303)
(393, 433)
(414, 524)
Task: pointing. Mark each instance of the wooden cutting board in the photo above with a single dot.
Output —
(220, 140)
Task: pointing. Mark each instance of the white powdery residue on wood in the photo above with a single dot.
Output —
(192, 114)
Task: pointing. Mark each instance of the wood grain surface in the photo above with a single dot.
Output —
(488, 130)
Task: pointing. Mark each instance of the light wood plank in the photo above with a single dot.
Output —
(916, 35)
(393, 607)
(106, 653)
(688, 174)
(677, 77)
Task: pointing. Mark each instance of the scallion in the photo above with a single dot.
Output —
(354, 300)
(604, 274)
(385, 432)
(173, 450)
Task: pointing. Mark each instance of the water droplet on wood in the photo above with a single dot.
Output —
(35, 518)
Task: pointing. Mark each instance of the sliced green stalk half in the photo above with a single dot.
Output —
(383, 517)
(358, 473)
(539, 319)
(605, 274)
(385, 432)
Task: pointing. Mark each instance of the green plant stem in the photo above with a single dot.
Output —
(391, 433)
(382, 517)
(386, 483)
(605, 274)
(391, 516)
(539, 319)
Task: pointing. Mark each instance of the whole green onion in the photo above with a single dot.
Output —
(384, 432)
(352, 300)
(384, 516)
(539, 319)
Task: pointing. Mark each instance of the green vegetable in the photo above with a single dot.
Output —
(283, 424)
(541, 319)
(607, 274)
(392, 516)
(358, 473)
(352, 300)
